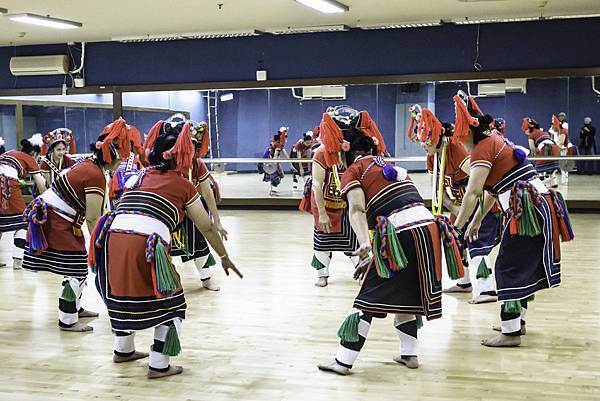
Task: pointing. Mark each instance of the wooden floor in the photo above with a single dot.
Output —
(261, 338)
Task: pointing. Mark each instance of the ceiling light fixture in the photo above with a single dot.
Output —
(46, 21)
(325, 6)
(182, 36)
(308, 29)
(400, 25)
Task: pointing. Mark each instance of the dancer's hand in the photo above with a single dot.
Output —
(222, 231)
(227, 264)
(363, 250)
(472, 232)
(324, 223)
(362, 267)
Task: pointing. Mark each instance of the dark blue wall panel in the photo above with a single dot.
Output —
(448, 48)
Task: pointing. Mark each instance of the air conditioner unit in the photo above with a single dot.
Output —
(498, 89)
(39, 65)
(337, 92)
(516, 85)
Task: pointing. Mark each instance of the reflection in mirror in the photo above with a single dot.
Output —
(247, 124)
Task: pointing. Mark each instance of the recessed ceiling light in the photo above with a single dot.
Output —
(47, 21)
(325, 6)
(308, 29)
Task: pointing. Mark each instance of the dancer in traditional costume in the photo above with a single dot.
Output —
(188, 242)
(449, 163)
(302, 150)
(273, 172)
(322, 198)
(403, 277)
(58, 145)
(15, 166)
(55, 218)
(536, 218)
(542, 144)
(560, 135)
(130, 250)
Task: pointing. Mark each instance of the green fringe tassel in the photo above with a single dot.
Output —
(210, 261)
(348, 331)
(419, 322)
(482, 270)
(511, 307)
(165, 275)
(528, 224)
(172, 346)
(315, 263)
(451, 262)
(395, 247)
(382, 270)
(67, 293)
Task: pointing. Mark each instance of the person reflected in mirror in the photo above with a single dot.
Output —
(301, 150)
(273, 172)
(541, 144)
(587, 146)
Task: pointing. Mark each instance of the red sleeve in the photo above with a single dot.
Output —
(319, 157)
(44, 167)
(29, 165)
(458, 156)
(483, 153)
(190, 194)
(350, 179)
(201, 171)
(535, 135)
(95, 182)
(67, 162)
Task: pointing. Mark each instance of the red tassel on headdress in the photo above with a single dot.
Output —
(368, 126)
(182, 151)
(555, 123)
(331, 139)
(151, 138)
(203, 150)
(474, 105)
(135, 137)
(118, 132)
(526, 124)
(463, 120)
(430, 128)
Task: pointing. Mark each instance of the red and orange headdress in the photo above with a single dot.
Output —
(467, 111)
(182, 151)
(366, 124)
(332, 139)
(119, 133)
(528, 124)
(429, 129)
(59, 135)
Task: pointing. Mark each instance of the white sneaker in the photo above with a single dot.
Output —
(210, 285)
(17, 264)
(334, 367)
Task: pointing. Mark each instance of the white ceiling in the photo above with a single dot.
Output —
(106, 19)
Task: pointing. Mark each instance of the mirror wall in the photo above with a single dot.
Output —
(242, 122)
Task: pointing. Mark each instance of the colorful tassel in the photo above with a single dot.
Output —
(348, 331)
(67, 293)
(36, 214)
(164, 276)
(450, 240)
(4, 191)
(523, 216)
(172, 345)
(562, 214)
(305, 202)
(482, 270)
(398, 261)
(511, 307)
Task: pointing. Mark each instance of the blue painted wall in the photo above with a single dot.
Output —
(448, 48)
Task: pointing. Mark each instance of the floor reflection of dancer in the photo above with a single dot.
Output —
(15, 166)
(302, 150)
(451, 160)
(542, 144)
(56, 242)
(322, 198)
(529, 255)
(403, 277)
(189, 243)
